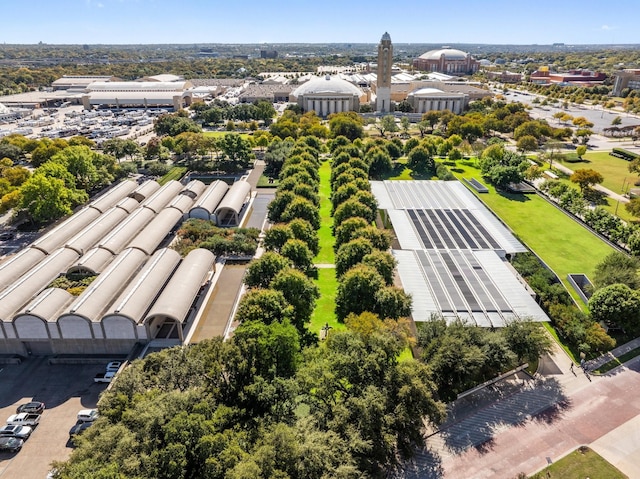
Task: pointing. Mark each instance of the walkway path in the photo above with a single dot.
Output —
(561, 409)
(602, 189)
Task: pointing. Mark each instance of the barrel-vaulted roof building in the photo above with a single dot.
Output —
(172, 307)
(228, 211)
(206, 204)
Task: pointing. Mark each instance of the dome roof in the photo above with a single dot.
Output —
(449, 54)
(386, 37)
(327, 84)
(426, 91)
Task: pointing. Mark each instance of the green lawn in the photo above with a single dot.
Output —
(561, 242)
(615, 362)
(325, 306)
(580, 464)
(175, 173)
(325, 233)
(326, 281)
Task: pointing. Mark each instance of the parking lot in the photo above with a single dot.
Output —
(65, 389)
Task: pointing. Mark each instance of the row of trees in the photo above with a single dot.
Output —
(576, 202)
(279, 285)
(581, 331)
(363, 266)
(219, 111)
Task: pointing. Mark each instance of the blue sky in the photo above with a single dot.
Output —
(320, 21)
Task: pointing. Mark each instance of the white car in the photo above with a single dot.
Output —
(113, 366)
(21, 432)
(87, 415)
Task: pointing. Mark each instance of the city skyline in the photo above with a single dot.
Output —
(279, 21)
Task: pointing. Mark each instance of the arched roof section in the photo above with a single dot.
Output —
(178, 295)
(206, 204)
(115, 194)
(163, 196)
(122, 234)
(18, 264)
(104, 289)
(182, 203)
(56, 237)
(38, 319)
(143, 289)
(327, 85)
(194, 189)
(145, 190)
(92, 262)
(449, 54)
(90, 235)
(152, 235)
(128, 204)
(29, 284)
(233, 201)
(427, 91)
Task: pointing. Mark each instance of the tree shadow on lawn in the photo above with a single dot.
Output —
(538, 400)
(519, 197)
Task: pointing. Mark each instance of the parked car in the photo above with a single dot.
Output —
(11, 444)
(87, 415)
(104, 377)
(114, 366)
(11, 430)
(34, 407)
(78, 428)
(24, 419)
(7, 236)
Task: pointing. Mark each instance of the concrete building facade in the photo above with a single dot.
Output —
(383, 86)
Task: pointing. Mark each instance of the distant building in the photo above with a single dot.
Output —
(629, 78)
(383, 79)
(543, 76)
(327, 95)
(274, 93)
(138, 94)
(79, 82)
(268, 54)
(427, 99)
(505, 76)
(447, 60)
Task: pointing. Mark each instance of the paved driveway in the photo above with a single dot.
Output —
(65, 389)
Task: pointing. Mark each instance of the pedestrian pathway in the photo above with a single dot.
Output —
(602, 189)
(474, 422)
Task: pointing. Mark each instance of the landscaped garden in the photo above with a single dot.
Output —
(565, 245)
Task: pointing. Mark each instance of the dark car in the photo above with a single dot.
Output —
(11, 444)
(33, 407)
(78, 429)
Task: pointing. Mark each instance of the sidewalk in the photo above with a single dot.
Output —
(614, 353)
(602, 189)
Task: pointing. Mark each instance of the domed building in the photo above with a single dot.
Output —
(427, 99)
(327, 95)
(447, 60)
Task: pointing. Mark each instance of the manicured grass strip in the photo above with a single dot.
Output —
(573, 354)
(325, 233)
(325, 306)
(263, 182)
(565, 245)
(174, 173)
(581, 463)
(615, 362)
